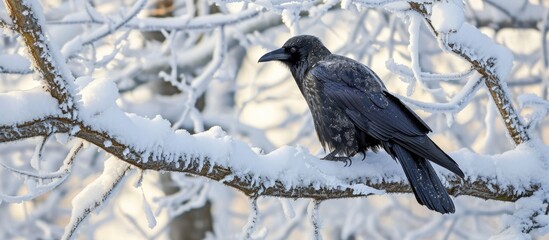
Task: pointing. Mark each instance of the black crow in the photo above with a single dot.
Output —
(353, 112)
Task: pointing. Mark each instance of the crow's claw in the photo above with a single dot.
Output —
(331, 157)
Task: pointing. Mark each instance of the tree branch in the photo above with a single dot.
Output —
(250, 184)
(495, 85)
(58, 80)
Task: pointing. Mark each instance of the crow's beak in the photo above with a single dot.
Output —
(279, 54)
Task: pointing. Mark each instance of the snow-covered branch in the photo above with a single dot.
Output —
(491, 60)
(28, 19)
(230, 161)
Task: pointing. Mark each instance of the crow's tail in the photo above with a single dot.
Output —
(424, 181)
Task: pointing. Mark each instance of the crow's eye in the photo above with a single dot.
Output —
(293, 50)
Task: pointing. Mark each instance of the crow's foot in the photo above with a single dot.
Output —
(332, 157)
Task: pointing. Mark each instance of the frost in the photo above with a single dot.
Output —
(107, 47)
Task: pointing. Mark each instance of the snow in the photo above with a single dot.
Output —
(314, 215)
(447, 16)
(479, 47)
(518, 169)
(199, 23)
(76, 44)
(14, 63)
(97, 96)
(292, 166)
(24, 106)
(151, 220)
(158, 142)
(95, 195)
(250, 226)
(413, 47)
(287, 208)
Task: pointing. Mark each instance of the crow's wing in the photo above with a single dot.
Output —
(360, 94)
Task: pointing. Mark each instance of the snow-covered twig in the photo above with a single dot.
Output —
(250, 226)
(199, 85)
(315, 218)
(456, 104)
(96, 194)
(77, 43)
(406, 72)
(56, 178)
(200, 23)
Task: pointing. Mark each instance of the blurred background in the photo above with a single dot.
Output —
(194, 62)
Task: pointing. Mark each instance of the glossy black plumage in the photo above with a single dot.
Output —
(353, 112)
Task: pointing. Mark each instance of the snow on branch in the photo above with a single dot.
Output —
(456, 104)
(200, 23)
(214, 155)
(151, 144)
(14, 64)
(75, 45)
(55, 178)
(28, 19)
(96, 194)
(491, 60)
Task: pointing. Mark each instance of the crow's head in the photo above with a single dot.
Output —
(298, 53)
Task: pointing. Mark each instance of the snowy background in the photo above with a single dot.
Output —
(151, 114)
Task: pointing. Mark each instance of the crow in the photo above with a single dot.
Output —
(353, 112)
